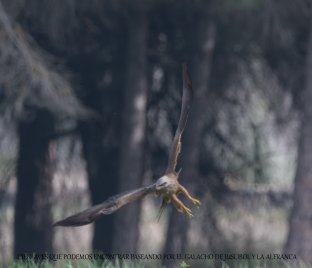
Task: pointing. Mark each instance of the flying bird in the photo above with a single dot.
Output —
(167, 186)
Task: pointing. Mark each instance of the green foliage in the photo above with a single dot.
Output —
(76, 264)
(182, 264)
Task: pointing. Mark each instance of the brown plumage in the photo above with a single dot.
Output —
(187, 98)
(107, 207)
(167, 186)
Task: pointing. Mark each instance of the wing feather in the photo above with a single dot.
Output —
(107, 207)
(186, 105)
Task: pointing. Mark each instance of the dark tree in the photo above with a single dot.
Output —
(33, 93)
(300, 229)
(133, 128)
(102, 178)
(33, 216)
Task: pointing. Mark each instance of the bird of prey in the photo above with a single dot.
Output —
(167, 186)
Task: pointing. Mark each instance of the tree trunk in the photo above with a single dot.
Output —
(300, 232)
(101, 169)
(133, 132)
(33, 217)
(99, 136)
(100, 154)
(200, 69)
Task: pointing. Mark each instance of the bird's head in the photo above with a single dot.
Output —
(162, 183)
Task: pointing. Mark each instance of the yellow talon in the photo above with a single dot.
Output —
(196, 202)
(188, 212)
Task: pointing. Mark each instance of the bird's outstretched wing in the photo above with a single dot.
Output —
(107, 207)
(186, 105)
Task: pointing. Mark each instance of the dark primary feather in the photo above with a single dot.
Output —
(107, 207)
(186, 105)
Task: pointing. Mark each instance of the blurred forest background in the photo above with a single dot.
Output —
(90, 95)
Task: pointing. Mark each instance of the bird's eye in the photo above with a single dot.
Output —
(163, 184)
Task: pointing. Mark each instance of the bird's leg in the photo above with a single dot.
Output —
(177, 205)
(180, 206)
(187, 194)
